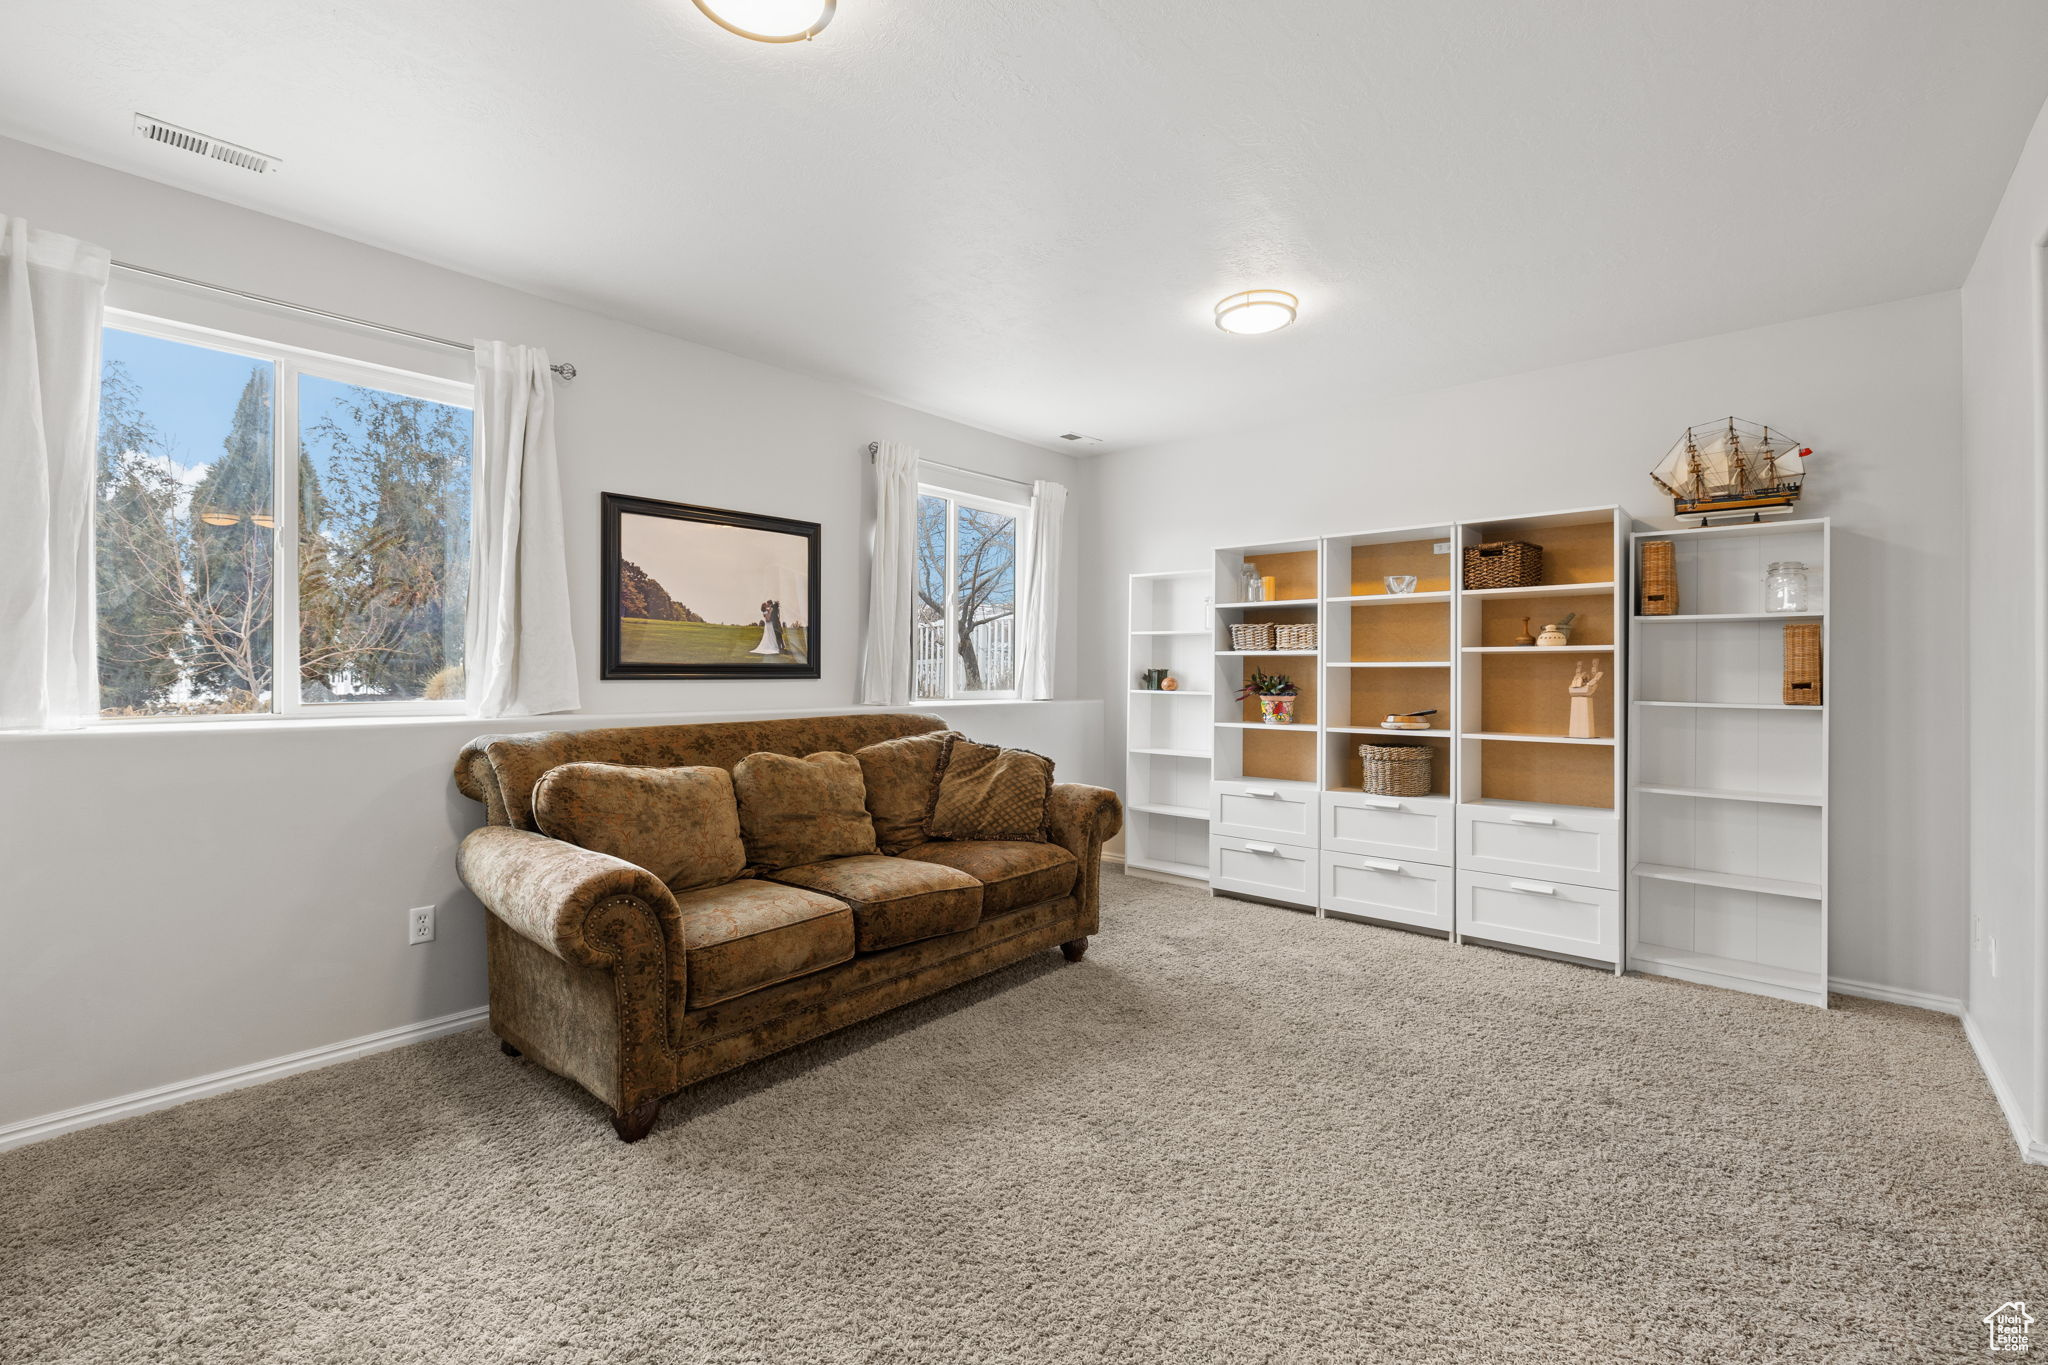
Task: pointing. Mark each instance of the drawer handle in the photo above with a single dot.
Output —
(1533, 819)
(1384, 805)
(1378, 865)
(1260, 848)
(1535, 888)
(1266, 792)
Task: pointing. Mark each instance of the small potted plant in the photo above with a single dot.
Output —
(1276, 693)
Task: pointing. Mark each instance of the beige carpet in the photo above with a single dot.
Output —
(1234, 1134)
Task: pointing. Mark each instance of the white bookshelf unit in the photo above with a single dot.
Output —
(1263, 794)
(1518, 844)
(1539, 812)
(1167, 733)
(1728, 785)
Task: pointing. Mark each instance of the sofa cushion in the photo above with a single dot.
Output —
(902, 775)
(745, 935)
(986, 792)
(679, 823)
(894, 901)
(802, 810)
(1011, 874)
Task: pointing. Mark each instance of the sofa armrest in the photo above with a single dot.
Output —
(1082, 819)
(566, 898)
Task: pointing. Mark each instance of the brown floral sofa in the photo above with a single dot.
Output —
(603, 975)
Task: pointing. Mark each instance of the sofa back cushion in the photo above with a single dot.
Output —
(902, 775)
(795, 811)
(681, 824)
(986, 792)
(501, 770)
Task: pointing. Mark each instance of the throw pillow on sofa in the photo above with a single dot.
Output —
(901, 776)
(681, 824)
(795, 811)
(986, 792)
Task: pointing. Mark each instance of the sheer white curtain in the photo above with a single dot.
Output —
(892, 578)
(1041, 578)
(52, 298)
(521, 652)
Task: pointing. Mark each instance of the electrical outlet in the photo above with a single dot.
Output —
(1442, 547)
(419, 924)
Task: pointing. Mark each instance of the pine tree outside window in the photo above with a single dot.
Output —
(278, 532)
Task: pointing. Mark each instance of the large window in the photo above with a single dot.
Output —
(967, 603)
(277, 531)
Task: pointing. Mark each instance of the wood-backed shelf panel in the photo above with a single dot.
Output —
(1401, 632)
(1528, 770)
(1346, 770)
(1295, 574)
(1371, 564)
(1498, 621)
(1524, 692)
(1575, 551)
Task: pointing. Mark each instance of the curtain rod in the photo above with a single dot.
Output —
(873, 446)
(564, 371)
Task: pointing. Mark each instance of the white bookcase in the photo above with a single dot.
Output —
(1166, 773)
(1518, 844)
(1728, 785)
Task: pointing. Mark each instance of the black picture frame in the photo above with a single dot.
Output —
(702, 648)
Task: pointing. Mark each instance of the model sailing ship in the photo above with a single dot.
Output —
(1732, 469)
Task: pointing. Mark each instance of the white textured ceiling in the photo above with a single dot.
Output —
(1019, 213)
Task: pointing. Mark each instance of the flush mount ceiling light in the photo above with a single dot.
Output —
(1256, 311)
(770, 21)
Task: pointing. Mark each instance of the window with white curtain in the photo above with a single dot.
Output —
(967, 626)
(276, 531)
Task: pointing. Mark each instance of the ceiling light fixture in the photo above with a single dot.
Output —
(770, 21)
(1256, 311)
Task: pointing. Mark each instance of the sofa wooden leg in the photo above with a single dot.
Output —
(507, 1048)
(1074, 948)
(635, 1122)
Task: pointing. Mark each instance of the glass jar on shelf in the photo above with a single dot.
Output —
(1785, 587)
(1254, 586)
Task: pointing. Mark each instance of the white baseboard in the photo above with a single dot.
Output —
(1109, 857)
(2032, 1149)
(1894, 995)
(182, 1092)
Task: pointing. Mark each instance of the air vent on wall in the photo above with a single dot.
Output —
(199, 144)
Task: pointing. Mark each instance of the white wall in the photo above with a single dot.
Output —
(177, 903)
(2004, 360)
(1877, 392)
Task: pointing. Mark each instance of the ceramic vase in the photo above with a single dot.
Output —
(1276, 710)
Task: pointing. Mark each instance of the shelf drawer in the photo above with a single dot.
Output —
(1548, 843)
(1273, 812)
(1403, 891)
(1258, 867)
(1558, 917)
(1410, 828)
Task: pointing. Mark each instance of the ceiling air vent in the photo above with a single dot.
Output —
(1079, 439)
(199, 144)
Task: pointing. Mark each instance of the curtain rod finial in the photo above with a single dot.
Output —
(564, 371)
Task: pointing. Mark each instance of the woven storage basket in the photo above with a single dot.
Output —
(1251, 635)
(1395, 769)
(1503, 564)
(1659, 579)
(1294, 637)
(1802, 663)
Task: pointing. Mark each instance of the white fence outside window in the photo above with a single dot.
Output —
(995, 645)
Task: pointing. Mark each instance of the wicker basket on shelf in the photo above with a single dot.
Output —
(1503, 564)
(1802, 663)
(1251, 635)
(1395, 769)
(1659, 579)
(1294, 637)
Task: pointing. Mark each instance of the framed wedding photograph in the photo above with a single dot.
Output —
(701, 592)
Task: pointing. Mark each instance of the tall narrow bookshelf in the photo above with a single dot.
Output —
(1386, 858)
(1263, 793)
(1728, 792)
(1167, 733)
(1539, 811)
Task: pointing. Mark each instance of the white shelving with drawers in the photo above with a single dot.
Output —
(1167, 733)
(1262, 799)
(1728, 789)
